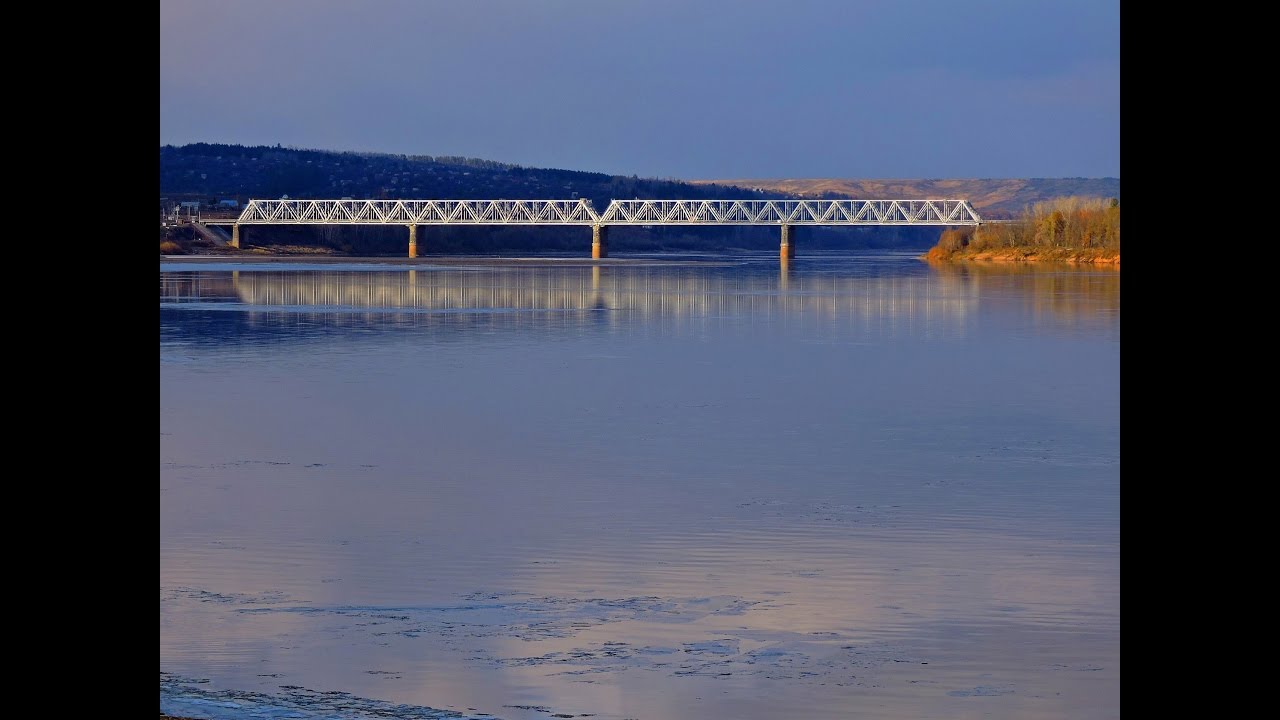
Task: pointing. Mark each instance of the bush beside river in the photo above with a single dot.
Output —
(1073, 229)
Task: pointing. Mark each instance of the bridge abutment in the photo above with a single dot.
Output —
(235, 236)
(599, 241)
(413, 241)
(788, 249)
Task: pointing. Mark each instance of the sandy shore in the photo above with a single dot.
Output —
(1075, 256)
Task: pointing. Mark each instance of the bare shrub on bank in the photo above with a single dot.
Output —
(1070, 222)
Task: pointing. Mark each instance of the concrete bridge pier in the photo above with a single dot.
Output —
(599, 241)
(413, 241)
(235, 235)
(788, 250)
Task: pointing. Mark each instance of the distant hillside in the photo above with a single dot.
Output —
(211, 172)
(997, 197)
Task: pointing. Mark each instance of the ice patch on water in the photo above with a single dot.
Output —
(714, 647)
(183, 696)
(526, 617)
(562, 621)
(980, 691)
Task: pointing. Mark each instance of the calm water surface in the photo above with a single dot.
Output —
(851, 487)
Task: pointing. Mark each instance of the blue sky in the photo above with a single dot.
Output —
(660, 88)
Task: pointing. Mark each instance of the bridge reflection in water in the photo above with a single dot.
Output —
(531, 294)
(892, 299)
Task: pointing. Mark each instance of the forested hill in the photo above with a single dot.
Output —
(207, 171)
(211, 173)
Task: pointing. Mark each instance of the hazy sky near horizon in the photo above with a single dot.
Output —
(660, 88)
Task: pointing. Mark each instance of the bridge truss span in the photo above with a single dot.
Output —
(790, 212)
(786, 214)
(418, 212)
(619, 212)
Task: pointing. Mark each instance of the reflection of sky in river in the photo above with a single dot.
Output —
(708, 490)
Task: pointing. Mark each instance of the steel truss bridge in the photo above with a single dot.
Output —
(783, 213)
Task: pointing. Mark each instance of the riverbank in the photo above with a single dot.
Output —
(1093, 256)
(1066, 230)
(221, 261)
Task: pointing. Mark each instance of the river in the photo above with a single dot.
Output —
(708, 487)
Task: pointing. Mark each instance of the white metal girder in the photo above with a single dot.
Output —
(619, 212)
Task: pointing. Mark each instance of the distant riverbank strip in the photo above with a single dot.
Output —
(1067, 230)
(435, 261)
